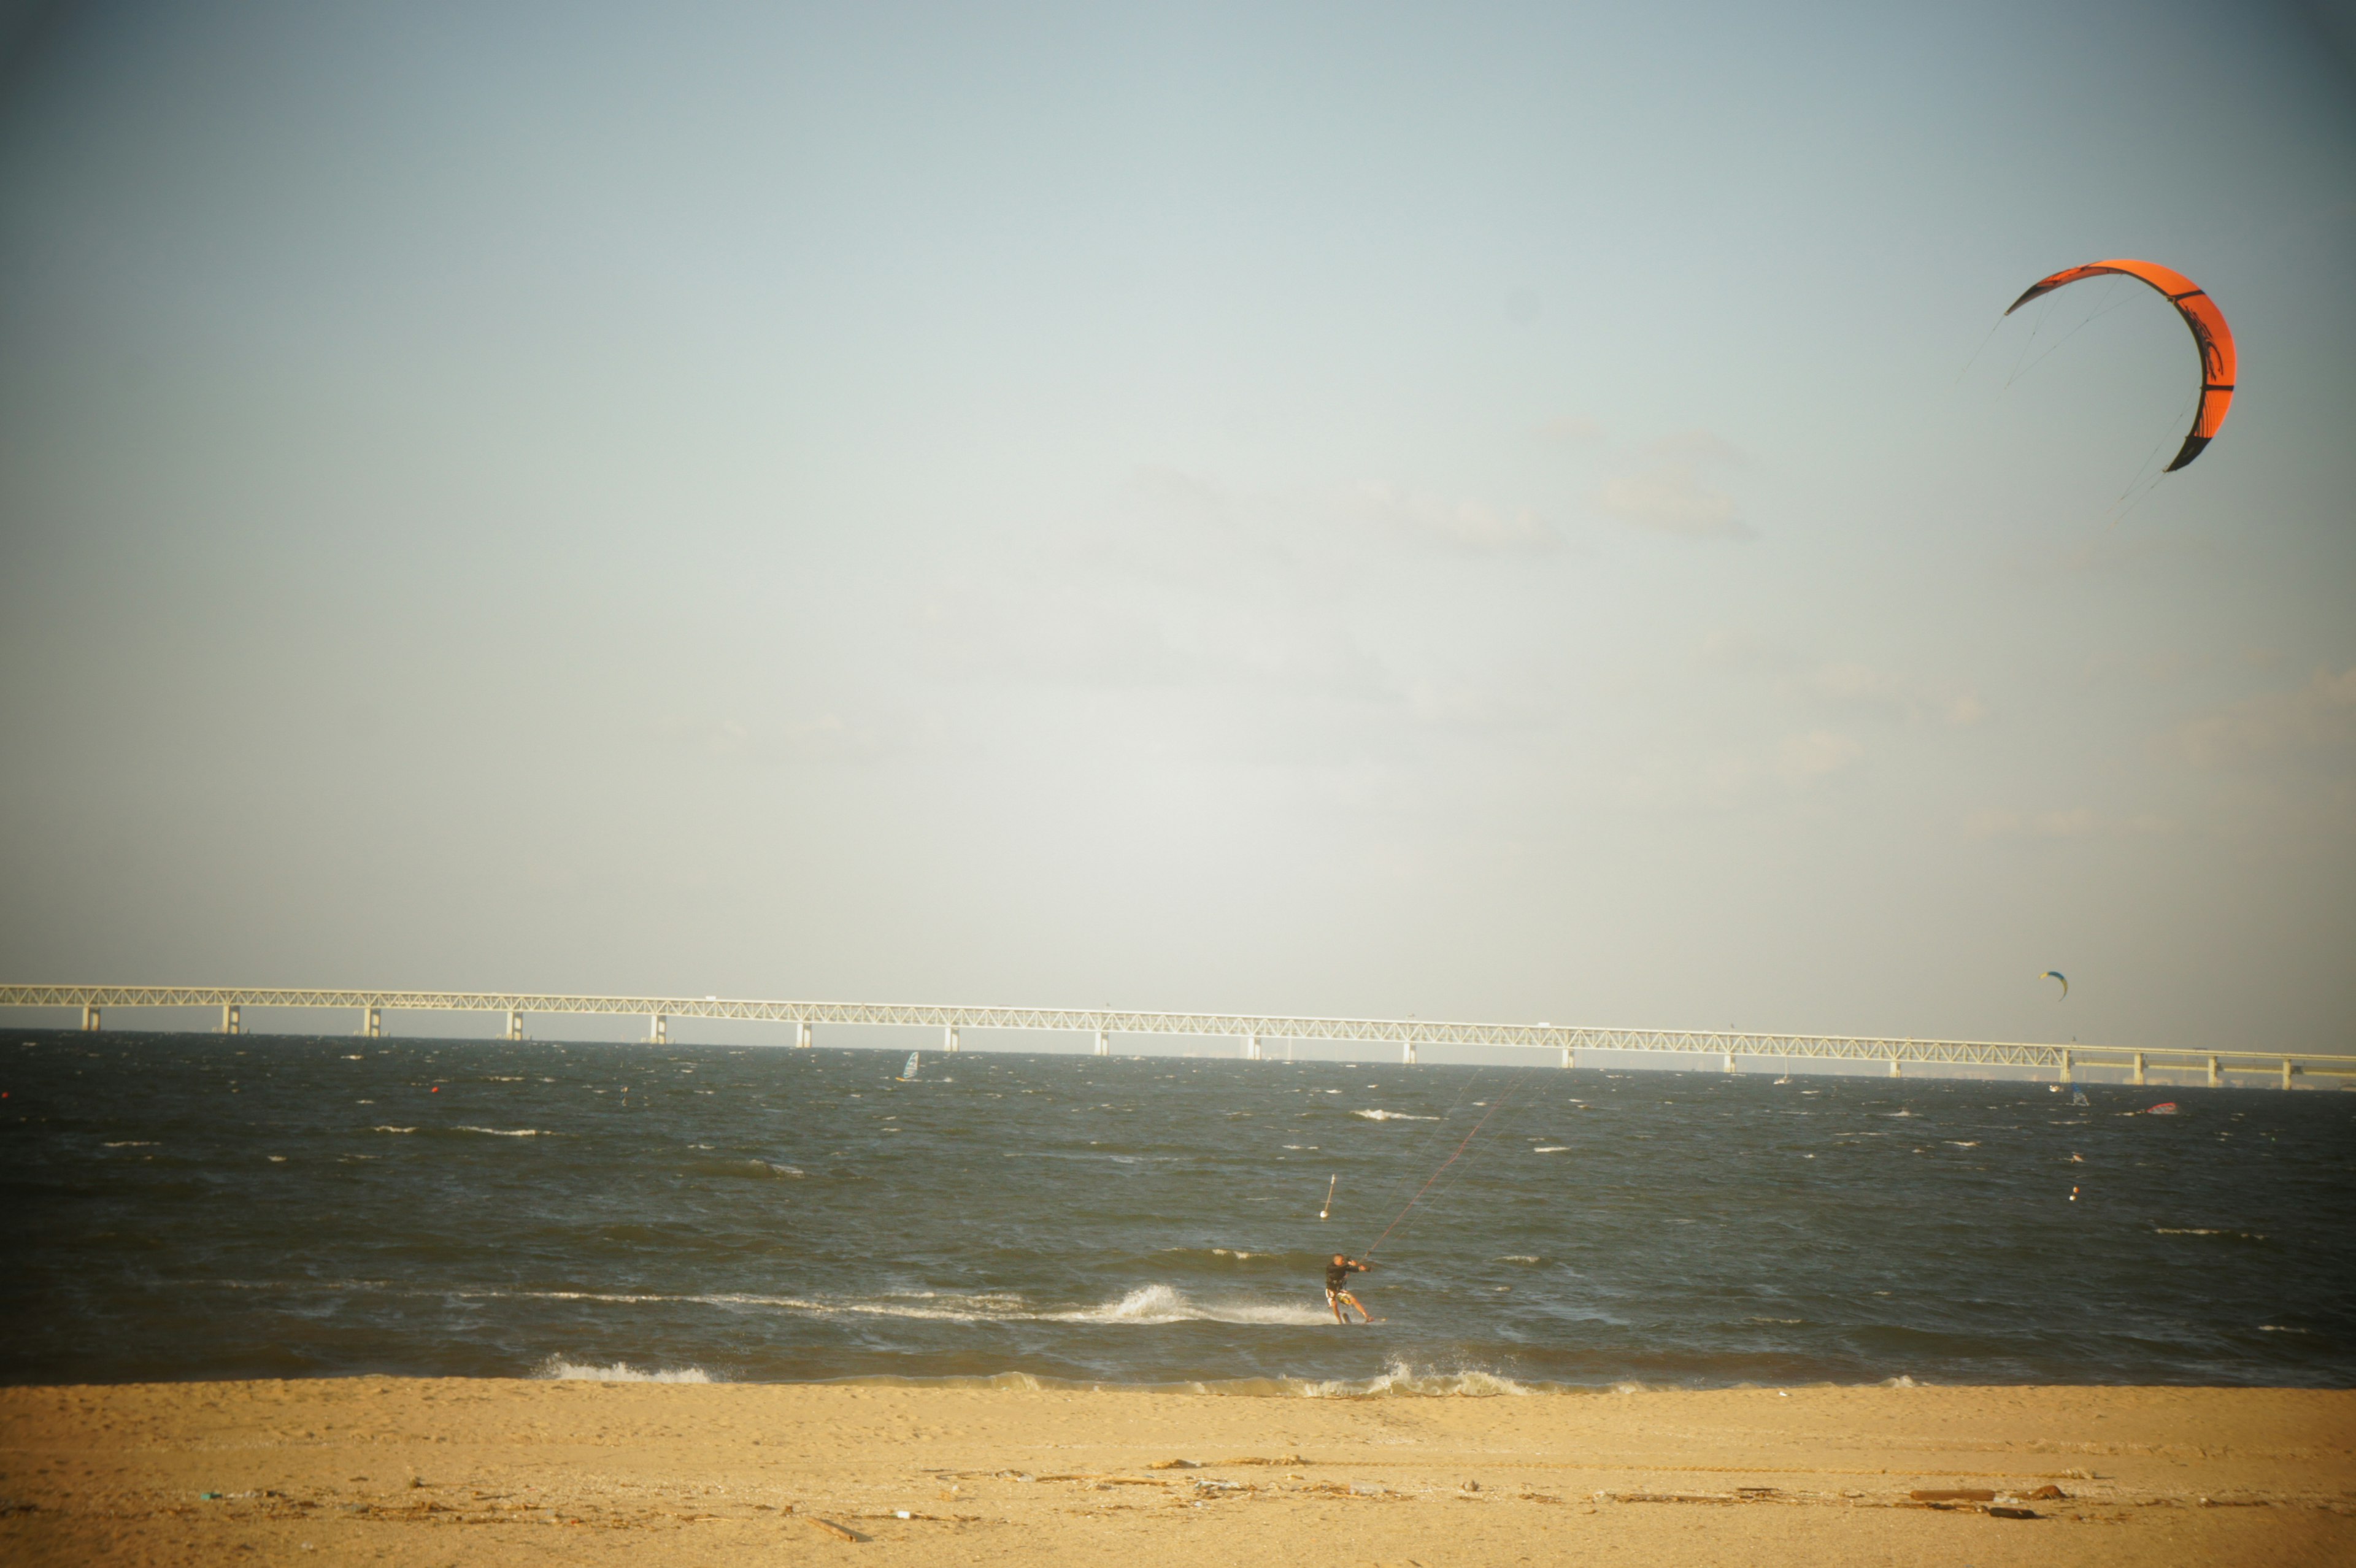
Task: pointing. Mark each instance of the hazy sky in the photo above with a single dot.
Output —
(1508, 512)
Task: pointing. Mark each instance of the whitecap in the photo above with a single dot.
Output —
(131, 1143)
(396, 1129)
(1553, 1149)
(1400, 1379)
(1152, 1303)
(506, 1132)
(1392, 1116)
(558, 1367)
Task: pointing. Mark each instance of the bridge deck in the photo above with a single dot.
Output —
(1249, 1028)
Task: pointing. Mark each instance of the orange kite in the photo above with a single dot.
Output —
(2209, 331)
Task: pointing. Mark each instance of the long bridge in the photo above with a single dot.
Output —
(1253, 1034)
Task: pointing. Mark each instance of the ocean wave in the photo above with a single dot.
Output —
(1553, 1149)
(750, 1166)
(563, 1371)
(395, 1129)
(1400, 1380)
(1166, 1303)
(1392, 1116)
(1145, 1306)
(1396, 1381)
(506, 1132)
(131, 1143)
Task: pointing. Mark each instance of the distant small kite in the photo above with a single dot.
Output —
(2209, 334)
(2057, 974)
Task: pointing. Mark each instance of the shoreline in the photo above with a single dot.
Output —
(582, 1470)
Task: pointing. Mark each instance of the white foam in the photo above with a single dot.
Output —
(1400, 1379)
(1392, 1116)
(1553, 1149)
(1166, 1304)
(1521, 1258)
(396, 1129)
(131, 1143)
(506, 1132)
(563, 1371)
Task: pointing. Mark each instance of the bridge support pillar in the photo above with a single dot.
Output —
(231, 1022)
(90, 1023)
(1730, 1061)
(661, 1032)
(949, 1039)
(1251, 1048)
(2065, 1067)
(2213, 1077)
(2287, 1068)
(801, 1034)
(1406, 1053)
(1894, 1068)
(515, 1024)
(372, 1023)
(2138, 1067)
(1566, 1059)
(1104, 1046)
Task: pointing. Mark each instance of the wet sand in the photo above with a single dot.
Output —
(405, 1471)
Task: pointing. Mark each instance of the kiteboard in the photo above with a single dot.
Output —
(2165, 1108)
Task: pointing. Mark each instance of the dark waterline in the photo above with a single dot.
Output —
(199, 1207)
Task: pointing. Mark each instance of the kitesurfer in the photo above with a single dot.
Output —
(1337, 1287)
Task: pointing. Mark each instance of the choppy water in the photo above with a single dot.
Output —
(195, 1207)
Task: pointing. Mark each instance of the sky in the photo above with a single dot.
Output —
(1502, 512)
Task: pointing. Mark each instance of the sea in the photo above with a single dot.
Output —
(185, 1207)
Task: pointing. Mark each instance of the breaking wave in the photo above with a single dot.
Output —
(1401, 1380)
(563, 1371)
(1166, 1303)
(1392, 1116)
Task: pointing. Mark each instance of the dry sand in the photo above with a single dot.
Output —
(429, 1472)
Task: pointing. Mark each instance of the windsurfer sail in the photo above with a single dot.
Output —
(908, 1073)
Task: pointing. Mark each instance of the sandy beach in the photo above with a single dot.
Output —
(449, 1471)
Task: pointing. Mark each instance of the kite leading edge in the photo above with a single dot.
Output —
(2210, 333)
